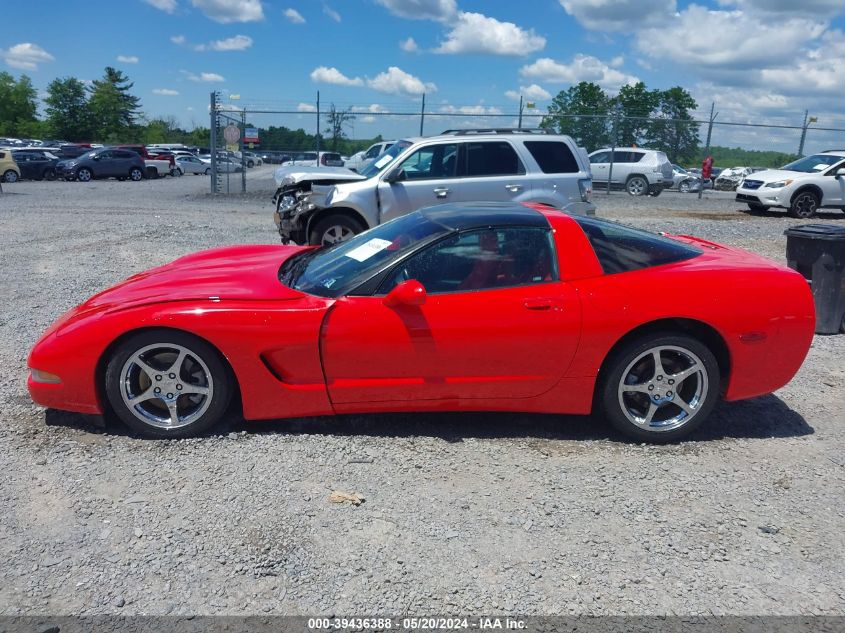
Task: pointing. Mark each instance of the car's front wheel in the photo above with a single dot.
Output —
(804, 205)
(167, 384)
(684, 187)
(636, 186)
(334, 229)
(84, 174)
(660, 388)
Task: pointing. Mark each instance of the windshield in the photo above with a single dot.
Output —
(376, 166)
(331, 272)
(811, 164)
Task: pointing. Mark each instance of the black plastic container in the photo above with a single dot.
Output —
(817, 251)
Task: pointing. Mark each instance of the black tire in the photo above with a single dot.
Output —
(135, 174)
(333, 229)
(636, 186)
(804, 205)
(633, 365)
(201, 368)
(251, 164)
(83, 174)
(49, 174)
(655, 191)
(684, 186)
(10, 176)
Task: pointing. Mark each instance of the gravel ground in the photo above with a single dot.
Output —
(463, 513)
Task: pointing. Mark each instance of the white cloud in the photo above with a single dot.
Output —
(727, 40)
(168, 6)
(373, 107)
(368, 119)
(805, 8)
(128, 59)
(236, 43)
(397, 81)
(619, 15)
(820, 72)
(228, 11)
(409, 45)
(204, 77)
(334, 15)
(165, 92)
(306, 107)
(326, 75)
(582, 68)
(531, 93)
(294, 16)
(440, 10)
(25, 56)
(477, 33)
(475, 109)
(178, 39)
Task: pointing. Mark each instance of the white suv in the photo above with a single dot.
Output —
(640, 171)
(504, 165)
(801, 187)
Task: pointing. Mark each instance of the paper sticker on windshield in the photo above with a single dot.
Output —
(381, 162)
(365, 251)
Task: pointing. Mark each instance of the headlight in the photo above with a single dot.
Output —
(780, 184)
(287, 203)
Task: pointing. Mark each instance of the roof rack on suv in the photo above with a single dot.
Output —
(496, 130)
(834, 150)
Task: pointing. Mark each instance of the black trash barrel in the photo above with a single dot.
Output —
(817, 251)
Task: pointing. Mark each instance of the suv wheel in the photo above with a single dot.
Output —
(334, 229)
(655, 191)
(804, 205)
(84, 174)
(636, 186)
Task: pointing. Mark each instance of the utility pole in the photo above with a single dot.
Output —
(712, 118)
(213, 127)
(318, 128)
(422, 115)
(520, 113)
(808, 120)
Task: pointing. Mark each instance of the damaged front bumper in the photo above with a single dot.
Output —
(291, 216)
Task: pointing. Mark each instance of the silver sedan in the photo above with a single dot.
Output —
(192, 165)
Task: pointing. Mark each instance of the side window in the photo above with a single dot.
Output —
(601, 157)
(432, 161)
(493, 158)
(553, 157)
(106, 155)
(122, 154)
(480, 260)
(636, 157)
(373, 152)
(623, 157)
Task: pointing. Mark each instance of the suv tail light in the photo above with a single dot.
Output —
(586, 187)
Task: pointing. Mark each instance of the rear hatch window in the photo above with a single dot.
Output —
(553, 157)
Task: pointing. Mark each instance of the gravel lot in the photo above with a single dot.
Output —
(471, 513)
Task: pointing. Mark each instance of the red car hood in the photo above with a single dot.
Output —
(233, 272)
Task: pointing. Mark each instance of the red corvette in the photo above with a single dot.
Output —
(458, 307)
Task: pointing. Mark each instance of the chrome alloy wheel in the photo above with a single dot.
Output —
(637, 186)
(663, 388)
(336, 233)
(166, 385)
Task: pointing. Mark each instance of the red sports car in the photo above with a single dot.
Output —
(474, 307)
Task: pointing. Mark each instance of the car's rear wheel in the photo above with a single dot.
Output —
(660, 388)
(49, 174)
(135, 174)
(804, 205)
(167, 384)
(208, 171)
(10, 176)
(684, 187)
(84, 174)
(636, 186)
(334, 229)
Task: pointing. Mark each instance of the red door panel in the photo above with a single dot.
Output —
(502, 343)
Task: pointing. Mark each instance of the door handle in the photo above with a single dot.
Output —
(538, 304)
(442, 192)
(513, 188)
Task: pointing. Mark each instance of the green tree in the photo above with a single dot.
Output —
(67, 110)
(634, 104)
(580, 112)
(336, 120)
(18, 105)
(113, 108)
(674, 130)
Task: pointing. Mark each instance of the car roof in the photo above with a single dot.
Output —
(461, 216)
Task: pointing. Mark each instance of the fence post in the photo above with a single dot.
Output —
(318, 128)
(243, 149)
(519, 125)
(422, 115)
(213, 141)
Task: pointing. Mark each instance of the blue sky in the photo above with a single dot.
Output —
(760, 60)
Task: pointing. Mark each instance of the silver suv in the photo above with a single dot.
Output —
(502, 165)
(640, 171)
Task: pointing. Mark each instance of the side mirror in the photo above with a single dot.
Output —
(397, 175)
(408, 293)
(840, 172)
